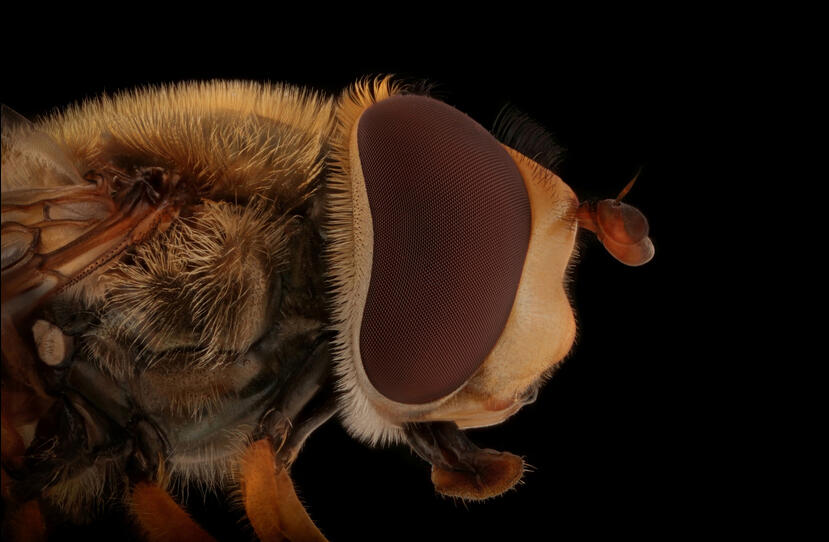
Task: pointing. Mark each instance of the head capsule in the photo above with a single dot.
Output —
(448, 261)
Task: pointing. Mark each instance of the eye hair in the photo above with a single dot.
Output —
(520, 132)
(357, 414)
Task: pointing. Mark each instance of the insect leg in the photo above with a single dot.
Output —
(307, 381)
(21, 521)
(25, 523)
(20, 412)
(12, 446)
(13, 449)
(161, 518)
(271, 503)
(308, 421)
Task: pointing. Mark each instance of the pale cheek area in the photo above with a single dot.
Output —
(541, 328)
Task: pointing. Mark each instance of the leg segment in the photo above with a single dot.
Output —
(11, 443)
(307, 401)
(19, 407)
(271, 503)
(161, 518)
(308, 421)
(304, 384)
(25, 524)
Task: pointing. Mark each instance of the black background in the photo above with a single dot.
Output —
(624, 440)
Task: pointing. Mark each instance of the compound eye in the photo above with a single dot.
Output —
(451, 221)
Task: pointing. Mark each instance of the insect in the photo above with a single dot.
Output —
(198, 276)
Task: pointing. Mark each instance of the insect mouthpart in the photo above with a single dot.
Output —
(459, 467)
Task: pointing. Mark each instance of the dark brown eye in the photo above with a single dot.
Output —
(451, 221)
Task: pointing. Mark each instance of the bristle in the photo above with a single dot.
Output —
(82, 494)
(211, 467)
(161, 518)
(234, 138)
(345, 276)
(203, 284)
(518, 131)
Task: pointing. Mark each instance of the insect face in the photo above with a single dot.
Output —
(455, 268)
(540, 329)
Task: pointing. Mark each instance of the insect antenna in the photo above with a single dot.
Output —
(629, 185)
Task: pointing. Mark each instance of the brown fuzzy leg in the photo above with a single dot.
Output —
(18, 406)
(12, 446)
(25, 524)
(5, 485)
(161, 518)
(11, 443)
(272, 505)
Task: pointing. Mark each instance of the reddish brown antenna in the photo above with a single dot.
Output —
(621, 228)
(628, 186)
